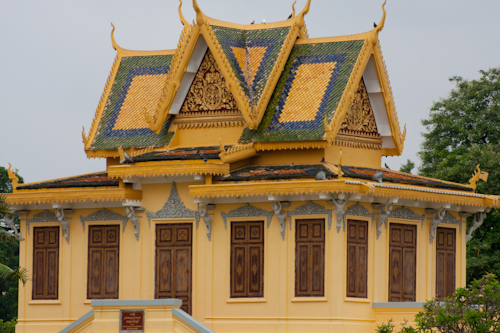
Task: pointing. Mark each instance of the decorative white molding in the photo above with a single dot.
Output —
(359, 210)
(9, 220)
(281, 215)
(203, 212)
(45, 216)
(247, 211)
(383, 215)
(476, 223)
(340, 212)
(310, 208)
(174, 209)
(130, 212)
(436, 220)
(104, 215)
(64, 223)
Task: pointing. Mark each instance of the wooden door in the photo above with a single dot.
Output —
(310, 258)
(357, 258)
(174, 263)
(402, 262)
(103, 262)
(45, 262)
(445, 261)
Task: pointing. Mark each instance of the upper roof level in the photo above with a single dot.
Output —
(263, 83)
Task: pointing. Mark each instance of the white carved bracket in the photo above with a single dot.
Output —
(64, 222)
(437, 219)
(134, 219)
(476, 223)
(281, 215)
(9, 220)
(383, 215)
(203, 211)
(339, 211)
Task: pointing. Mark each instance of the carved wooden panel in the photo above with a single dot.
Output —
(360, 119)
(208, 94)
(45, 262)
(174, 262)
(402, 262)
(445, 261)
(247, 259)
(310, 258)
(103, 262)
(357, 258)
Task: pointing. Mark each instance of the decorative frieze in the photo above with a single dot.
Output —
(407, 214)
(104, 215)
(310, 208)
(247, 211)
(360, 210)
(45, 216)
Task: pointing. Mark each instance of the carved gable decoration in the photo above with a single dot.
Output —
(310, 208)
(407, 214)
(174, 209)
(104, 215)
(247, 211)
(359, 210)
(360, 120)
(208, 94)
(45, 216)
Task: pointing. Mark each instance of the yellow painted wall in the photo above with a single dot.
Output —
(279, 310)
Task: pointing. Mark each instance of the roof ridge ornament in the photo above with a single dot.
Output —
(13, 178)
(379, 26)
(293, 8)
(113, 40)
(184, 22)
(201, 18)
(302, 14)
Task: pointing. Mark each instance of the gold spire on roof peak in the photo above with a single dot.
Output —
(380, 25)
(113, 40)
(184, 22)
(293, 8)
(201, 18)
(303, 13)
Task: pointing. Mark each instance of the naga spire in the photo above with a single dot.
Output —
(183, 19)
(379, 26)
(303, 13)
(200, 16)
(293, 8)
(113, 41)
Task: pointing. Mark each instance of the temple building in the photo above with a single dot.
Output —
(243, 192)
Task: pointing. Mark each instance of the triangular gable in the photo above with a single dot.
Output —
(250, 57)
(371, 68)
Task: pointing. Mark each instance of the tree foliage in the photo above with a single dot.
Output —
(463, 130)
(407, 167)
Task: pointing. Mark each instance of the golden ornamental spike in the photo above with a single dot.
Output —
(379, 26)
(84, 137)
(302, 14)
(293, 8)
(113, 41)
(200, 16)
(183, 19)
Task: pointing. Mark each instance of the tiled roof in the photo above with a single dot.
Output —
(138, 85)
(309, 89)
(252, 55)
(277, 172)
(197, 153)
(401, 177)
(89, 180)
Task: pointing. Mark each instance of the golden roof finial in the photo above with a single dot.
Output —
(379, 26)
(113, 41)
(293, 8)
(183, 19)
(200, 16)
(121, 153)
(403, 136)
(221, 147)
(476, 176)
(303, 13)
(340, 173)
(85, 140)
(12, 177)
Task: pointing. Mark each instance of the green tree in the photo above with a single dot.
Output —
(407, 167)
(463, 130)
(9, 256)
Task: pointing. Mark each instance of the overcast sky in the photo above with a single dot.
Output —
(56, 57)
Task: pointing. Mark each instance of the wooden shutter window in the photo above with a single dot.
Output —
(247, 259)
(357, 258)
(103, 262)
(402, 262)
(445, 261)
(310, 258)
(45, 262)
(173, 262)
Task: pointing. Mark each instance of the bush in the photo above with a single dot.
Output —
(472, 309)
(8, 326)
(389, 328)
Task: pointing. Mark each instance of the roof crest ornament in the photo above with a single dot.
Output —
(293, 8)
(201, 18)
(113, 40)
(302, 14)
(184, 22)
(13, 178)
(379, 26)
(476, 176)
(84, 137)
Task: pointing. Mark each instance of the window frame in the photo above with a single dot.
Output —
(44, 298)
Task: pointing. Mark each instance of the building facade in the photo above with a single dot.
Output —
(243, 178)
